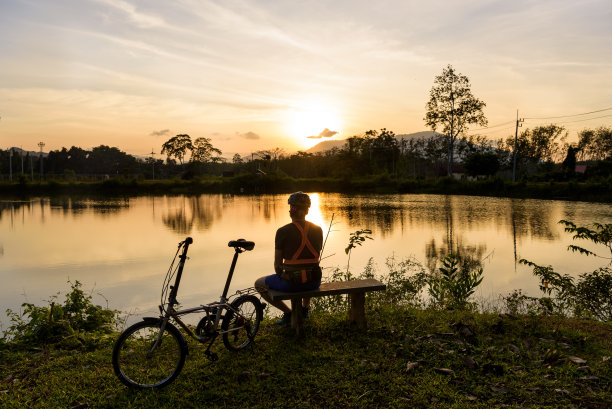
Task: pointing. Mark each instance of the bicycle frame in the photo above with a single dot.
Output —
(236, 320)
(217, 308)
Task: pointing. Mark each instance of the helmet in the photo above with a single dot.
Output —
(299, 199)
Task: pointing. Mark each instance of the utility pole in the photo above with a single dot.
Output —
(31, 169)
(41, 144)
(21, 155)
(153, 162)
(519, 122)
(11, 164)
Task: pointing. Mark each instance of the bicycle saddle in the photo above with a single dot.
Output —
(242, 244)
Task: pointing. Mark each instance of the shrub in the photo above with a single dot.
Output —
(74, 323)
(452, 286)
(591, 295)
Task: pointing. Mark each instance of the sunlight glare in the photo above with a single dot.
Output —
(311, 119)
(314, 213)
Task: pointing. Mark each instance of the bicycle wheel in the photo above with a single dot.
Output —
(242, 325)
(139, 363)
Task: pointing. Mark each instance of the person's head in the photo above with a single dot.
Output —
(299, 203)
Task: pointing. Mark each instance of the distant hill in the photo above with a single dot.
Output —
(328, 145)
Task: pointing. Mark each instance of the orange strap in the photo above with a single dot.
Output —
(305, 243)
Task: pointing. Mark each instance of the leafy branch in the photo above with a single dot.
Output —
(356, 239)
(601, 234)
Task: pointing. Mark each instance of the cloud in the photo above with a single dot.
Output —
(326, 133)
(163, 132)
(248, 135)
(141, 20)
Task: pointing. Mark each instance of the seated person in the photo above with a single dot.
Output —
(296, 257)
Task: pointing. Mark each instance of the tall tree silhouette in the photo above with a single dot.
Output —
(452, 107)
(177, 147)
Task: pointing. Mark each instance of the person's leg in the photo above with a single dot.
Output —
(262, 287)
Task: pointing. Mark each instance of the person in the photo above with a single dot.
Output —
(297, 246)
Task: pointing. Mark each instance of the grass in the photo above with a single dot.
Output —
(407, 357)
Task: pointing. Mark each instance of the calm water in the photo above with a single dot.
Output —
(122, 248)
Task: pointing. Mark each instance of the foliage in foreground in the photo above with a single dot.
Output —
(415, 353)
(407, 357)
(75, 323)
(590, 296)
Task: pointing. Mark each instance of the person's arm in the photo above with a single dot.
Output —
(278, 261)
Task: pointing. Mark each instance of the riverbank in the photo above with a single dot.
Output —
(597, 191)
(407, 357)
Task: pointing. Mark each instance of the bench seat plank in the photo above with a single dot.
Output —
(356, 290)
(340, 287)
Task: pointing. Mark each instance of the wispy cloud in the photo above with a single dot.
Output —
(326, 133)
(248, 135)
(140, 19)
(162, 132)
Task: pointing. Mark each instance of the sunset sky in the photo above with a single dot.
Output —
(262, 74)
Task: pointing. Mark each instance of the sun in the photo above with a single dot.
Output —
(310, 119)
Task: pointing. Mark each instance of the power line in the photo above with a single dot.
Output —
(569, 116)
(587, 119)
(492, 126)
(470, 131)
(493, 131)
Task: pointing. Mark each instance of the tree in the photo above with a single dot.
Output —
(177, 147)
(452, 107)
(384, 150)
(237, 159)
(202, 151)
(596, 144)
(481, 163)
(545, 142)
(542, 144)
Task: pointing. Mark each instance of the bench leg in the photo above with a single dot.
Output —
(297, 318)
(357, 313)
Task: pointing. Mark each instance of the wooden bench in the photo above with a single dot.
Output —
(356, 290)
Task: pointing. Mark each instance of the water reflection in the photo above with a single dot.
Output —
(471, 255)
(63, 205)
(121, 245)
(183, 213)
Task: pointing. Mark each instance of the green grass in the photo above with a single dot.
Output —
(520, 362)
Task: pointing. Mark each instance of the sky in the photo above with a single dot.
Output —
(264, 74)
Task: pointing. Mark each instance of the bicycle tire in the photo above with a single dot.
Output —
(137, 370)
(243, 326)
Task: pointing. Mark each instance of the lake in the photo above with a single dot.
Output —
(121, 248)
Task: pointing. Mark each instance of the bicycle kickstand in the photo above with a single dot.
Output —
(211, 355)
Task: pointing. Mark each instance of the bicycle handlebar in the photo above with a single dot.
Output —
(242, 244)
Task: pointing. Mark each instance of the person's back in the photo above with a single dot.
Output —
(300, 243)
(297, 248)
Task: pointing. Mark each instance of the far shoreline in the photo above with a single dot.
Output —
(599, 191)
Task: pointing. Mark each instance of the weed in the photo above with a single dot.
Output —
(75, 323)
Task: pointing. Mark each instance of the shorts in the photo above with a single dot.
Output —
(274, 282)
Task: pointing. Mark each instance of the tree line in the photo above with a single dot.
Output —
(451, 110)
(542, 150)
